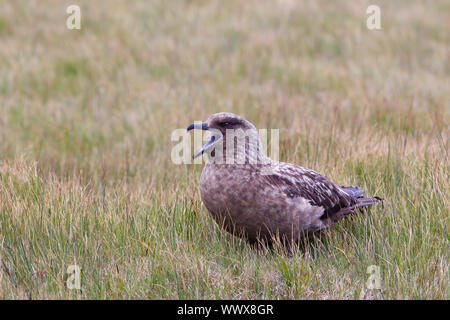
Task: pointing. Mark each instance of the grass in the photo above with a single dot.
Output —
(85, 123)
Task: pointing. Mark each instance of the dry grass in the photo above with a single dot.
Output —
(85, 123)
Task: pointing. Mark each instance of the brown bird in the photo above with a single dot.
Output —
(254, 197)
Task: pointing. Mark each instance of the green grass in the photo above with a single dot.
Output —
(85, 124)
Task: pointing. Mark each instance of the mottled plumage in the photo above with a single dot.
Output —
(259, 198)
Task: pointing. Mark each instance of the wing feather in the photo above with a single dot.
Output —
(296, 181)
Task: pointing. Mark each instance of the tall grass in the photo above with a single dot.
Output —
(85, 123)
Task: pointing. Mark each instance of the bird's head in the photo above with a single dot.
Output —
(229, 132)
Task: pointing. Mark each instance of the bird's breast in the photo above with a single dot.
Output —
(225, 187)
(237, 201)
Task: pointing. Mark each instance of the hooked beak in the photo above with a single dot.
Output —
(202, 126)
(197, 125)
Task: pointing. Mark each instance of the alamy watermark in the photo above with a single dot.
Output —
(234, 146)
(373, 21)
(74, 279)
(73, 21)
(373, 285)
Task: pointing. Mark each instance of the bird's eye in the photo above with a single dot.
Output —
(226, 124)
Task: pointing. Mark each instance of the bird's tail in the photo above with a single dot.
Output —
(353, 191)
(360, 200)
(363, 202)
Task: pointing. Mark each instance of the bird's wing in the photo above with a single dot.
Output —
(296, 181)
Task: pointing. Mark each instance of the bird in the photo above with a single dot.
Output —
(259, 199)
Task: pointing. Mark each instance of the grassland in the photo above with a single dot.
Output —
(85, 123)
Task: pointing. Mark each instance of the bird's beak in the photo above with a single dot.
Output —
(198, 125)
(202, 126)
